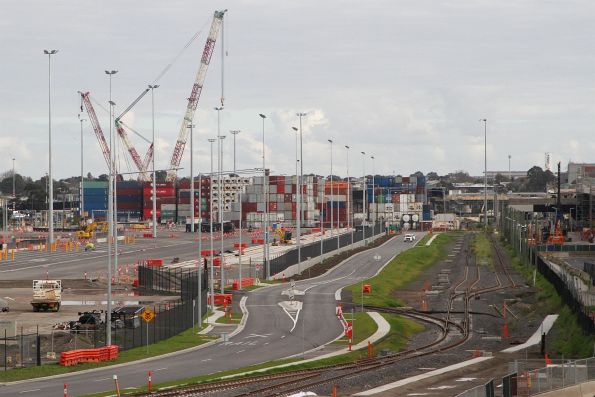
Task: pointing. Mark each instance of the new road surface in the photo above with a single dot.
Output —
(275, 328)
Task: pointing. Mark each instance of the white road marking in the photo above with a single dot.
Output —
(9, 298)
(205, 360)
(465, 379)
(441, 387)
(240, 351)
(257, 336)
(101, 380)
(160, 369)
(282, 336)
(29, 391)
(298, 305)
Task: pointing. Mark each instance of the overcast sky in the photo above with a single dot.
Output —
(405, 81)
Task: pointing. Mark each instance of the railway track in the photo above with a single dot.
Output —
(286, 383)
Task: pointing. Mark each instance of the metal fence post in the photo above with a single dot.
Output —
(5, 351)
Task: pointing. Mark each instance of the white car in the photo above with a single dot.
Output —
(409, 238)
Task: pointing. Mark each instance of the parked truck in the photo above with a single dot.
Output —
(47, 295)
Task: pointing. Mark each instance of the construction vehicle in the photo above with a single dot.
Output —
(87, 230)
(47, 295)
(282, 236)
(557, 237)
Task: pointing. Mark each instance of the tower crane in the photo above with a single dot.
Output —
(195, 94)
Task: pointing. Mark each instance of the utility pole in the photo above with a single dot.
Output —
(299, 182)
(265, 182)
(49, 53)
(234, 133)
(364, 203)
(191, 126)
(154, 194)
(212, 286)
(485, 171)
(82, 195)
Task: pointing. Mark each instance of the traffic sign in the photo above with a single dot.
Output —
(148, 315)
(258, 266)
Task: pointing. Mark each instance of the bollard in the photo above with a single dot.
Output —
(370, 350)
(117, 385)
(150, 385)
(230, 314)
(13, 254)
(85, 276)
(65, 390)
(349, 344)
(334, 391)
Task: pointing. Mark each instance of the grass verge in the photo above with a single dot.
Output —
(569, 340)
(363, 327)
(404, 268)
(482, 248)
(184, 340)
(401, 330)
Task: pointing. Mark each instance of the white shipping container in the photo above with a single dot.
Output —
(404, 198)
(168, 207)
(388, 207)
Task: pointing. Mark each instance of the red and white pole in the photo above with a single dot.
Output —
(349, 344)
(150, 386)
(65, 390)
(117, 385)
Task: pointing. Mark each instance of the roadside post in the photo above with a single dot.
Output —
(150, 384)
(148, 316)
(117, 385)
(65, 390)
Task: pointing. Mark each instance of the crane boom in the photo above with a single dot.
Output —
(133, 153)
(195, 94)
(96, 127)
(148, 157)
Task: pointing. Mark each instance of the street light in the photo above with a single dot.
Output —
(348, 194)
(299, 182)
(49, 53)
(111, 228)
(485, 171)
(373, 197)
(154, 217)
(332, 201)
(234, 133)
(509, 173)
(365, 187)
(265, 251)
(298, 204)
(212, 287)
(191, 126)
(14, 192)
(221, 207)
(82, 196)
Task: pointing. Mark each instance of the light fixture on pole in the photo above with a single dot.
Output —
(349, 221)
(234, 133)
(111, 230)
(298, 190)
(199, 268)
(212, 287)
(364, 204)
(191, 126)
(14, 191)
(265, 251)
(485, 171)
(49, 53)
(509, 173)
(154, 184)
(81, 195)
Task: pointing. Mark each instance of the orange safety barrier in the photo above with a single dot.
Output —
(367, 289)
(207, 252)
(221, 299)
(237, 245)
(257, 241)
(246, 282)
(147, 235)
(154, 262)
(73, 357)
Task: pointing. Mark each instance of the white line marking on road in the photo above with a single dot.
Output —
(265, 343)
(29, 391)
(257, 336)
(240, 351)
(282, 336)
(101, 380)
(160, 369)
(205, 360)
(9, 298)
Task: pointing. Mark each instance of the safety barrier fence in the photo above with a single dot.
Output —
(73, 357)
(485, 390)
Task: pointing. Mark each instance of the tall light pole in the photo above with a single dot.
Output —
(221, 207)
(14, 191)
(348, 195)
(509, 172)
(154, 212)
(299, 182)
(200, 264)
(332, 193)
(365, 187)
(212, 287)
(298, 204)
(265, 251)
(108, 319)
(234, 133)
(220, 190)
(82, 196)
(191, 126)
(485, 171)
(373, 196)
(49, 53)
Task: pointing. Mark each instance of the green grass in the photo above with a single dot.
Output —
(482, 249)
(401, 330)
(184, 340)
(570, 340)
(236, 317)
(363, 327)
(404, 268)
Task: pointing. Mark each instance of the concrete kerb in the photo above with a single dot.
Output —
(381, 332)
(239, 328)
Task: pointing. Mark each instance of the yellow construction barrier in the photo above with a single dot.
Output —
(13, 254)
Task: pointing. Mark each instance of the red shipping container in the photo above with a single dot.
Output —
(159, 185)
(273, 206)
(280, 189)
(161, 192)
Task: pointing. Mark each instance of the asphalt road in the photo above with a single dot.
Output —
(270, 333)
(29, 265)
